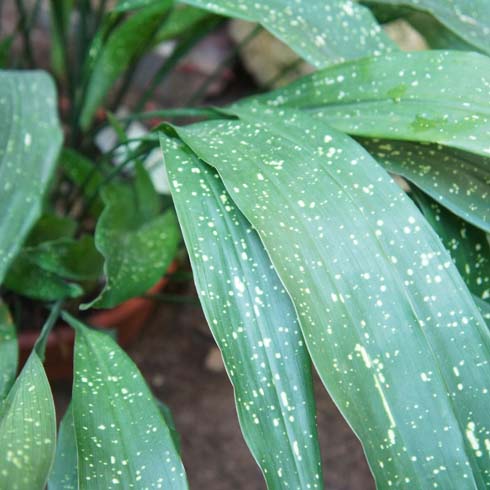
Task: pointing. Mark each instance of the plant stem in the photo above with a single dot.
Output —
(202, 89)
(40, 346)
(25, 25)
(279, 76)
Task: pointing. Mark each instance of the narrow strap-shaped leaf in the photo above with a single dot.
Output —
(27, 430)
(253, 322)
(469, 19)
(389, 323)
(419, 96)
(122, 439)
(321, 32)
(137, 240)
(458, 180)
(124, 45)
(467, 245)
(64, 475)
(30, 138)
(9, 351)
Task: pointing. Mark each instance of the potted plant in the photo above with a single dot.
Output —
(304, 249)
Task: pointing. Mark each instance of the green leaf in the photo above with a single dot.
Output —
(125, 5)
(125, 44)
(469, 19)
(458, 180)
(64, 475)
(388, 321)
(321, 32)
(27, 430)
(467, 244)
(77, 260)
(169, 420)
(29, 144)
(137, 241)
(183, 19)
(9, 351)
(85, 175)
(418, 96)
(253, 323)
(122, 439)
(28, 279)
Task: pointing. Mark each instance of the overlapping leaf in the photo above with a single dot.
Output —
(389, 323)
(321, 32)
(122, 439)
(458, 180)
(406, 96)
(125, 44)
(8, 351)
(30, 139)
(27, 430)
(253, 322)
(467, 245)
(469, 19)
(137, 240)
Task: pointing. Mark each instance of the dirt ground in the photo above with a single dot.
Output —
(171, 353)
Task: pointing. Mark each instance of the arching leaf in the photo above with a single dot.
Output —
(9, 351)
(253, 322)
(389, 323)
(321, 32)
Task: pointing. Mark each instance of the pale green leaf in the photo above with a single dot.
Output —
(458, 180)
(65, 469)
(137, 240)
(122, 439)
(253, 323)
(9, 351)
(30, 138)
(27, 430)
(389, 323)
(321, 32)
(469, 19)
(420, 96)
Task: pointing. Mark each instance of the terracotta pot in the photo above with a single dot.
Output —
(127, 319)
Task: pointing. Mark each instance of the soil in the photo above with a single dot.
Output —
(171, 354)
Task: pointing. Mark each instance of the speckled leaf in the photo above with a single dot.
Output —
(253, 322)
(389, 323)
(419, 96)
(27, 430)
(28, 279)
(9, 351)
(467, 245)
(321, 32)
(122, 439)
(64, 475)
(137, 241)
(77, 260)
(458, 180)
(30, 138)
(484, 308)
(469, 19)
(126, 43)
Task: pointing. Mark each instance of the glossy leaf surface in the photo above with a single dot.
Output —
(458, 180)
(122, 439)
(27, 430)
(8, 351)
(389, 323)
(321, 32)
(253, 323)
(469, 19)
(30, 138)
(419, 96)
(137, 240)
(64, 475)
